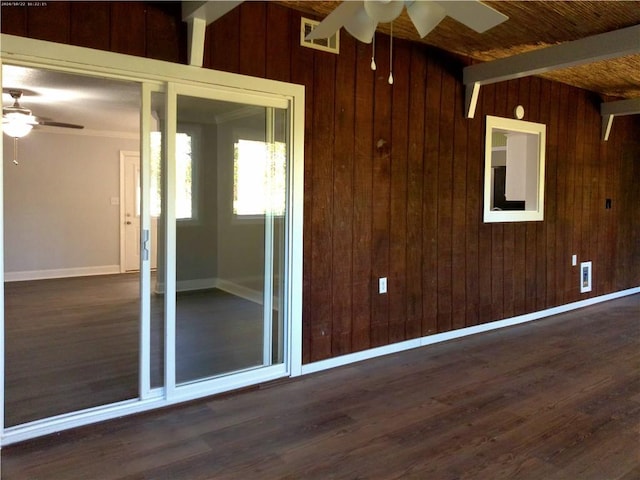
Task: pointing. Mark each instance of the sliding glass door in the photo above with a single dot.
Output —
(155, 255)
(221, 171)
(230, 200)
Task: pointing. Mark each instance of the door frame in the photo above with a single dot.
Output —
(155, 75)
(227, 381)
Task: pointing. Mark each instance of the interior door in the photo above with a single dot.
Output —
(130, 200)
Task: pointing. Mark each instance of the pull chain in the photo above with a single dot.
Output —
(373, 53)
(390, 80)
(15, 150)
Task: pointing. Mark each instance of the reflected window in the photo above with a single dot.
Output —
(259, 178)
(185, 175)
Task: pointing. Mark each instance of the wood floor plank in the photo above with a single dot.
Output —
(81, 335)
(555, 399)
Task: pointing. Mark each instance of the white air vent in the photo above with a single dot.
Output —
(331, 44)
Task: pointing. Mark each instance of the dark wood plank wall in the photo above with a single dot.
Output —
(144, 29)
(393, 174)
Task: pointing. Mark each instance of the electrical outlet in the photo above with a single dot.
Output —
(574, 260)
(382, 285)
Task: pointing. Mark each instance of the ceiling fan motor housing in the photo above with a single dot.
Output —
(383, 12)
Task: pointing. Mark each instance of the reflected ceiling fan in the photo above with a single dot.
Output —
(17, 121)
(360, 18)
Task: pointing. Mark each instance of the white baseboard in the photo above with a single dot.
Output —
(232, 288)
(240, 291)
(61, 273)
(196, 284)
(463, 332)
(190, 285)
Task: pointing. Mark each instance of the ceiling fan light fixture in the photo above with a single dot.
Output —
(361, 26)
(425, 16)
(17, 125)
(383, 11)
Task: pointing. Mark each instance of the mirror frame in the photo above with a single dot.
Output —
(521, 126)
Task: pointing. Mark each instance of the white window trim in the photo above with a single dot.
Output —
(537, 129)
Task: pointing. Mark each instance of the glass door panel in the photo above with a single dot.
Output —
(72, 321)
(230, 195)
(157, 222)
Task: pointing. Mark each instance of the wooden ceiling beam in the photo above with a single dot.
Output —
(198, 15)
(608, 110)
(614, 44)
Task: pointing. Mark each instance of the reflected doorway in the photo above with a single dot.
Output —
(72, 324)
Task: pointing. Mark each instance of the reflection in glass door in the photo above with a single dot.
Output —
(228, 203)
(72, 320)
(230, 191)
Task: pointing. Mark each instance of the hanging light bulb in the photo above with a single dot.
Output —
(17, 125)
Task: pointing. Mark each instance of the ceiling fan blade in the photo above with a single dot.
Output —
(425, 16)
(474, 14)
(335, 20)
(383, 11)
(48, 123)
(24, 92)
(361, 26)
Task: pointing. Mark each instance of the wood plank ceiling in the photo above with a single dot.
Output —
(532, 25)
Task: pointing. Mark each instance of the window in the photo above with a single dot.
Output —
(156, 173)
(259, 178)
(514, 170)
(186, 205)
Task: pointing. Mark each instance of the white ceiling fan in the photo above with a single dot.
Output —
(17, 121)
(360, 18)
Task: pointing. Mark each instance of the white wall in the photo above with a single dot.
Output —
(58, 211)
(240, 242)
(196, 250)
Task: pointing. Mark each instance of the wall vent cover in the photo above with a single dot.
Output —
(331, 44)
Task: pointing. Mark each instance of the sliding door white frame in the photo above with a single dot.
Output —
(154, 75)
(2, 349)
(267, 297)
(169, 205)
(227, 380)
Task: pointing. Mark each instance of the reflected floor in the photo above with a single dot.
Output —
(216, 333)
(73, 343)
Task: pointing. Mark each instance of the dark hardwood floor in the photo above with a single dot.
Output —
(81, 335)
(555, 399)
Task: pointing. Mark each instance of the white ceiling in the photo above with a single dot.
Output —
(100, 104)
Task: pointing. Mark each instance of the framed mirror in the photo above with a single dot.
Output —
(514, 170)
